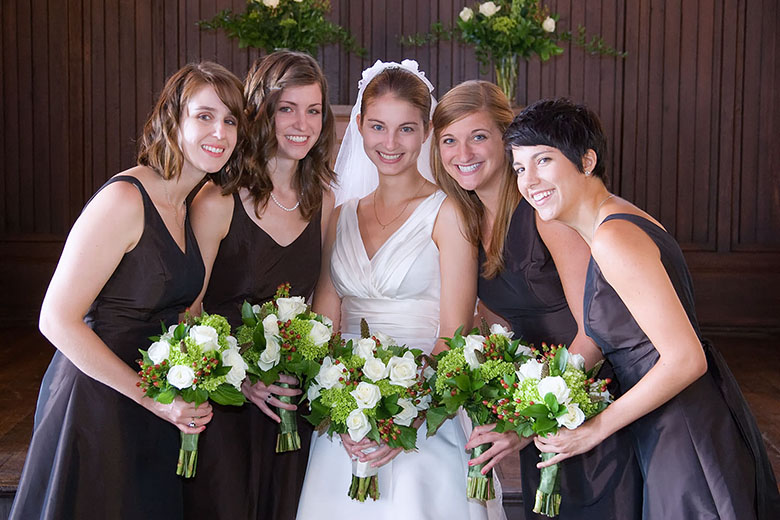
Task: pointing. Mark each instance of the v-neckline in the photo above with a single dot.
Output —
(162, 221)
(238, 201)
(392, 235)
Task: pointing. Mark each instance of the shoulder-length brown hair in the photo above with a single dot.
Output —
(263, 87)
(158, 146)
(465, 99)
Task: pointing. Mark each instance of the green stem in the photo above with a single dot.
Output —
(480, 487)
(506, 76)
(188, 455)
(288, 438)
(548, 497)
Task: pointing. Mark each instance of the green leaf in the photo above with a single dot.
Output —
(545, 425)
(408, 437)
(270, 376)
(535, 410)
(166, 396)
(227, 394)
(463, 381)
(258, 336)
(434, 418)
(180, 332)
(552, 402)
(390, 403)
(561, 361)
(248, 315)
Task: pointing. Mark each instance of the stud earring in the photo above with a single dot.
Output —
(588, 173)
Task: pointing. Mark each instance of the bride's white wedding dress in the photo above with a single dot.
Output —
(397, 292)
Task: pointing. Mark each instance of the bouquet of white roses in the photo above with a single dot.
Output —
(370, 388)
(551, 390)
(474, 371)
(197, 360)
(283, 336)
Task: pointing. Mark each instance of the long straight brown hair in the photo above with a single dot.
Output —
(461, 101)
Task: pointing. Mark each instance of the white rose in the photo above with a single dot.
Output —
(232, 358)
(232, 342)
(577, 361)
(365, 348)
(384, 339)
(531, 369)
(407, 414)
(466, 14)
(425, 402)
(357, 425)
(489, 9)
(271, 3)
(319, 334)
(473, 343)
(205, 336)
(497, 328)
(556, 386)
(374, 369)
(181, 376)
(313, 393)
(548, 24)
(290, 307)
(327, 321)
(429, 372)
(573, 416)
(271, 325)
(525, 351)
(269, 358)
(403, 370)
(168, 336)
(366, 395)
(329, 374)
(158, 351)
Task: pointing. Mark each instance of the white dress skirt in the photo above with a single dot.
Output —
(397, 292)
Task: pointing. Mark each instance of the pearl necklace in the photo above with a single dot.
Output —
(288, 210)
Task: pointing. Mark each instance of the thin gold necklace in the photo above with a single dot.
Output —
(173, 207)
(376, 216)
(598, 208)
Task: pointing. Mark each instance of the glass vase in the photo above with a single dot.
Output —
(506, 77)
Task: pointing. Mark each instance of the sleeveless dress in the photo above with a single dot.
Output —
(701, 453)
(604, 483)
(95, 453)
(397, 292)
(240, 475)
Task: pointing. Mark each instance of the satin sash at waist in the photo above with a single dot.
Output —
(406, 321)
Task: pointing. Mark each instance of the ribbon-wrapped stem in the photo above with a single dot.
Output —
(480, 486)
(288, 438)
(365, 480)
(548, 497)
(188, 455)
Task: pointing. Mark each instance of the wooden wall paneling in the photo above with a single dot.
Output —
(114, 90)
(127, 94)
(626, 167)
(55, 198)
(444, 57)
(562, 64)
(145, 52)
(686, 159)
(74, 166)
(656, 113)
(736, 83)
(642, 154)
(354, 63)
(609, 89)
(32, 81)
(9, 220)
(663, 179)
(98, 130)
(3, 150)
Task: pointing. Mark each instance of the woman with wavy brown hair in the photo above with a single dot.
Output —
(130, 262)
(532, 275)
(258, 227)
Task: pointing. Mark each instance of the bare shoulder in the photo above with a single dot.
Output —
(210, 198)
(449, 225)
(328, 199)
(619, 244)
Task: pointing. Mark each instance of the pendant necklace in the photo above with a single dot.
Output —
(376, 215)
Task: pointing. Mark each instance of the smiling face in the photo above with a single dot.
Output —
(548, 180)
(207, 131)
(472, 151)
(298, 121)
(393, 133)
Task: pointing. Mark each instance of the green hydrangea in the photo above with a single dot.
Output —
(340, 402)
(453, 359)
(219, 323)
(353, 361)
(527, 392)
(305, 345)
(578, 391)
(493, 368)
(504, 24)
(244, 334)
(388, 388)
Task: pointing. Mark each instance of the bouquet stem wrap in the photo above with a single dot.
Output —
(188, 455)
(480, 486)
(365, 481)
(548, 496)
(288, 438)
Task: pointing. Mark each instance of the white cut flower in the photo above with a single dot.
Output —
(556, 386)
(577, 361)
(319, 333)
(270, 357)
(573, 416)
(357, 425)
(329, 374)
(158, 351)
(291, 307)
(181, 376)
(548, 25)
(531, 369)
(425, 402)
(204, 336)
(473, 344)
(232, 358)
(499, 329)
(488, 9)
(407, 414)
(271, 325)
(384, 339)
(365, 348)
(375, 369)
(366, 395)
(403, 370)
(466, 14)
(271, 3)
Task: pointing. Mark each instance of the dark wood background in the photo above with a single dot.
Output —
(692, 115)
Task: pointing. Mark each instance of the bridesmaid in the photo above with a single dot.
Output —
(698, 445)
(259, 227)
(99, 449)
(531, 278)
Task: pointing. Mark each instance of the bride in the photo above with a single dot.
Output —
(398, 257)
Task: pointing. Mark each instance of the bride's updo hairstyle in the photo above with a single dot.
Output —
(462, 101)
(263, 87)
(559, 123)
(403, 85)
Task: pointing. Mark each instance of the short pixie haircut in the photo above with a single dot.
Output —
(158, 146)
(573, 129)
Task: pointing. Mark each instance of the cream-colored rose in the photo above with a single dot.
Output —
(573, 416)
(366, 395)
(466, 14)
(181, 376)
(384, 339)
(289, 308)
(206, 337)
(357, 425)
(407, 414)
(256, 309)
(271, 325)
(232, 342)
(403, 370)
(531, 369)
(473, 344)
(489, 9)
(548, 25)
(271, 3)
(577, 361)
(269, 358)
(329, 374)
(556, 386)
(375, 369)
(364, 348)
(158, 351)
(499, 329)
(425, 402)
(319, 333)
(232, 358)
